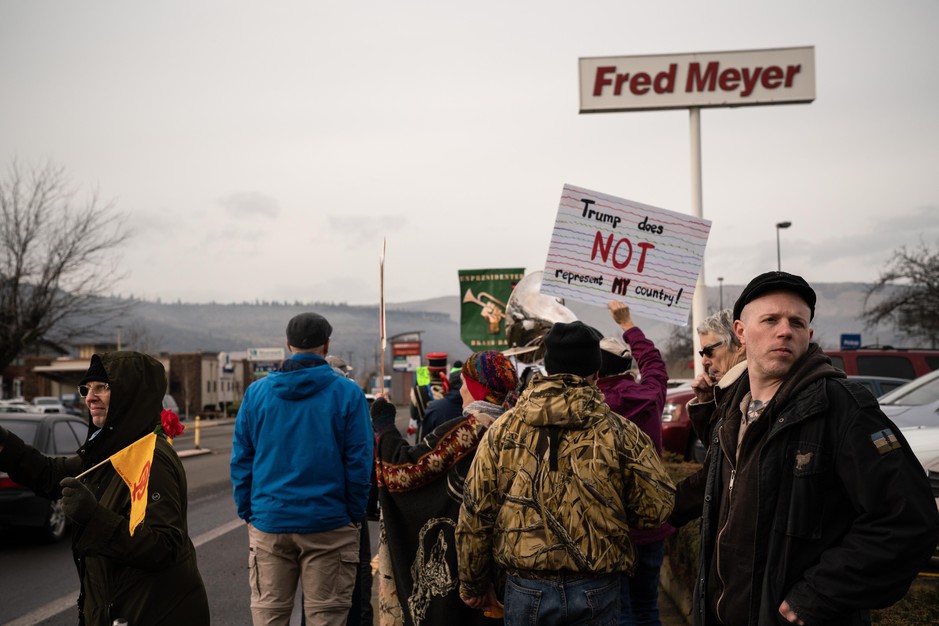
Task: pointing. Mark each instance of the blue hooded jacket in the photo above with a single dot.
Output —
(301, 456)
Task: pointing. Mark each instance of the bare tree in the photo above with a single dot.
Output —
(56, 260)
(137, 336)
(914, 304)
(678, 352)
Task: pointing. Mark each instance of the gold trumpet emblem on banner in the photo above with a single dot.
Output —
(493, 308)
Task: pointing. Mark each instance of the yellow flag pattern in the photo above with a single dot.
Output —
(133, 465)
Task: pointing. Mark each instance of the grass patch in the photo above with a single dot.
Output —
(682, 547)
(919, 606)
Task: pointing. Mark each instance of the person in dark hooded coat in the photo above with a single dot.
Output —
(150, 577)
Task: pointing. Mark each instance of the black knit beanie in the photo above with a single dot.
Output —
(383, 414)
(572, 349)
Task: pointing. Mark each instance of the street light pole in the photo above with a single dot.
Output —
(780, 225)
(720, 282)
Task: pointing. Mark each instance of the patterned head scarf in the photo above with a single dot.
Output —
(490, 376)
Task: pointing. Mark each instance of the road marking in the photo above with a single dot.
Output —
(215, 533)
(66, 602)
(46, 611)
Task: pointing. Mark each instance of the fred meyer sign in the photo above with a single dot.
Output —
(706, 79)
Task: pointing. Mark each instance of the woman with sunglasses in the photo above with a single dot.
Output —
(150, 577)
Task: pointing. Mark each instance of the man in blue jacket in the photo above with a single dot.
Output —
(301, 467)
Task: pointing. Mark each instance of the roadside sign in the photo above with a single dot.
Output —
(699, 79)
(850, 341)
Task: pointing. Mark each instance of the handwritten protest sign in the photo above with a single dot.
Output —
(607, 248)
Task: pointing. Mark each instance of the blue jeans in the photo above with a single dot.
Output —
(639, 593)
(587, 601)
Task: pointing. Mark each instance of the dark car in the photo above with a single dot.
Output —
(677, 433)
(53, 434)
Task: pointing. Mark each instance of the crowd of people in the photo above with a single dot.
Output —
(538, 502)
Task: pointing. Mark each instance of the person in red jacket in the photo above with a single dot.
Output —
(640, 400)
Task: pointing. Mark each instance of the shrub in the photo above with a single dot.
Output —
(681, 549)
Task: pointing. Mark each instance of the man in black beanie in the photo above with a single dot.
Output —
(556, 484)
(572, 349)
(814, 501)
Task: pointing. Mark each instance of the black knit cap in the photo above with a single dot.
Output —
(572, 349)
(383, 414)
(95, 372)
(308, 330)
(775, 281)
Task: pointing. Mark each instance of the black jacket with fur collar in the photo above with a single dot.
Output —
(829, 509)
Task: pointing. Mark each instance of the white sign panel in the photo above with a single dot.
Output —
(705, 79)
(606, 248)
(266, 354)
(408, 363)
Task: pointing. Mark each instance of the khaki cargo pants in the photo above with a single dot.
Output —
(324, 564)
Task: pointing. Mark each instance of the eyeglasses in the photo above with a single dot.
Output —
(84, 390)
(708, 351)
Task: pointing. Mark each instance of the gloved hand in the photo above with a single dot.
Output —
(3, 436)
(78, 503)
(383, 414)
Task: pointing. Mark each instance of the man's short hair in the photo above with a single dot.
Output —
(308, 330)
(775, 281)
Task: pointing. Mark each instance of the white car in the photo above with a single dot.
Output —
(924, 442)
(18, 402)
(48, 404)
(915, 403)
(932, 472)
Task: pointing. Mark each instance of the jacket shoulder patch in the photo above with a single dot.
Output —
(885, 441)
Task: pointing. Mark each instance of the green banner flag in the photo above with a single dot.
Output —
(484, 294)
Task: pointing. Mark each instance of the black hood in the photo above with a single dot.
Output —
(138, 384)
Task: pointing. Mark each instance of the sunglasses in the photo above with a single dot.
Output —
(98, 389)
(708, 351)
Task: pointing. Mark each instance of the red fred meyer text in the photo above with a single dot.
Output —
(699, 78)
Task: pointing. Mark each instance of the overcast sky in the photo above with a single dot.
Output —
(262, 150)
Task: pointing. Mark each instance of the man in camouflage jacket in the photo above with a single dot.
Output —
(556, 484)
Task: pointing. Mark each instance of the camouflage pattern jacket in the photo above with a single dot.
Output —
(556, 484)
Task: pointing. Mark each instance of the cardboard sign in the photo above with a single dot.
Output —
(607, 248)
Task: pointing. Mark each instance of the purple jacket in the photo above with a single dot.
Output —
(641, 403)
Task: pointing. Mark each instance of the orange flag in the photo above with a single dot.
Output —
(133, 465)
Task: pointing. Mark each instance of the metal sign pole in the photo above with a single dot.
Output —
(699, 303)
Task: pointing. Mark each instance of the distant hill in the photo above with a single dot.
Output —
(161, 327)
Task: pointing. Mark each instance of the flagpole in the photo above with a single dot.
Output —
(381, 308)
(91, 469)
